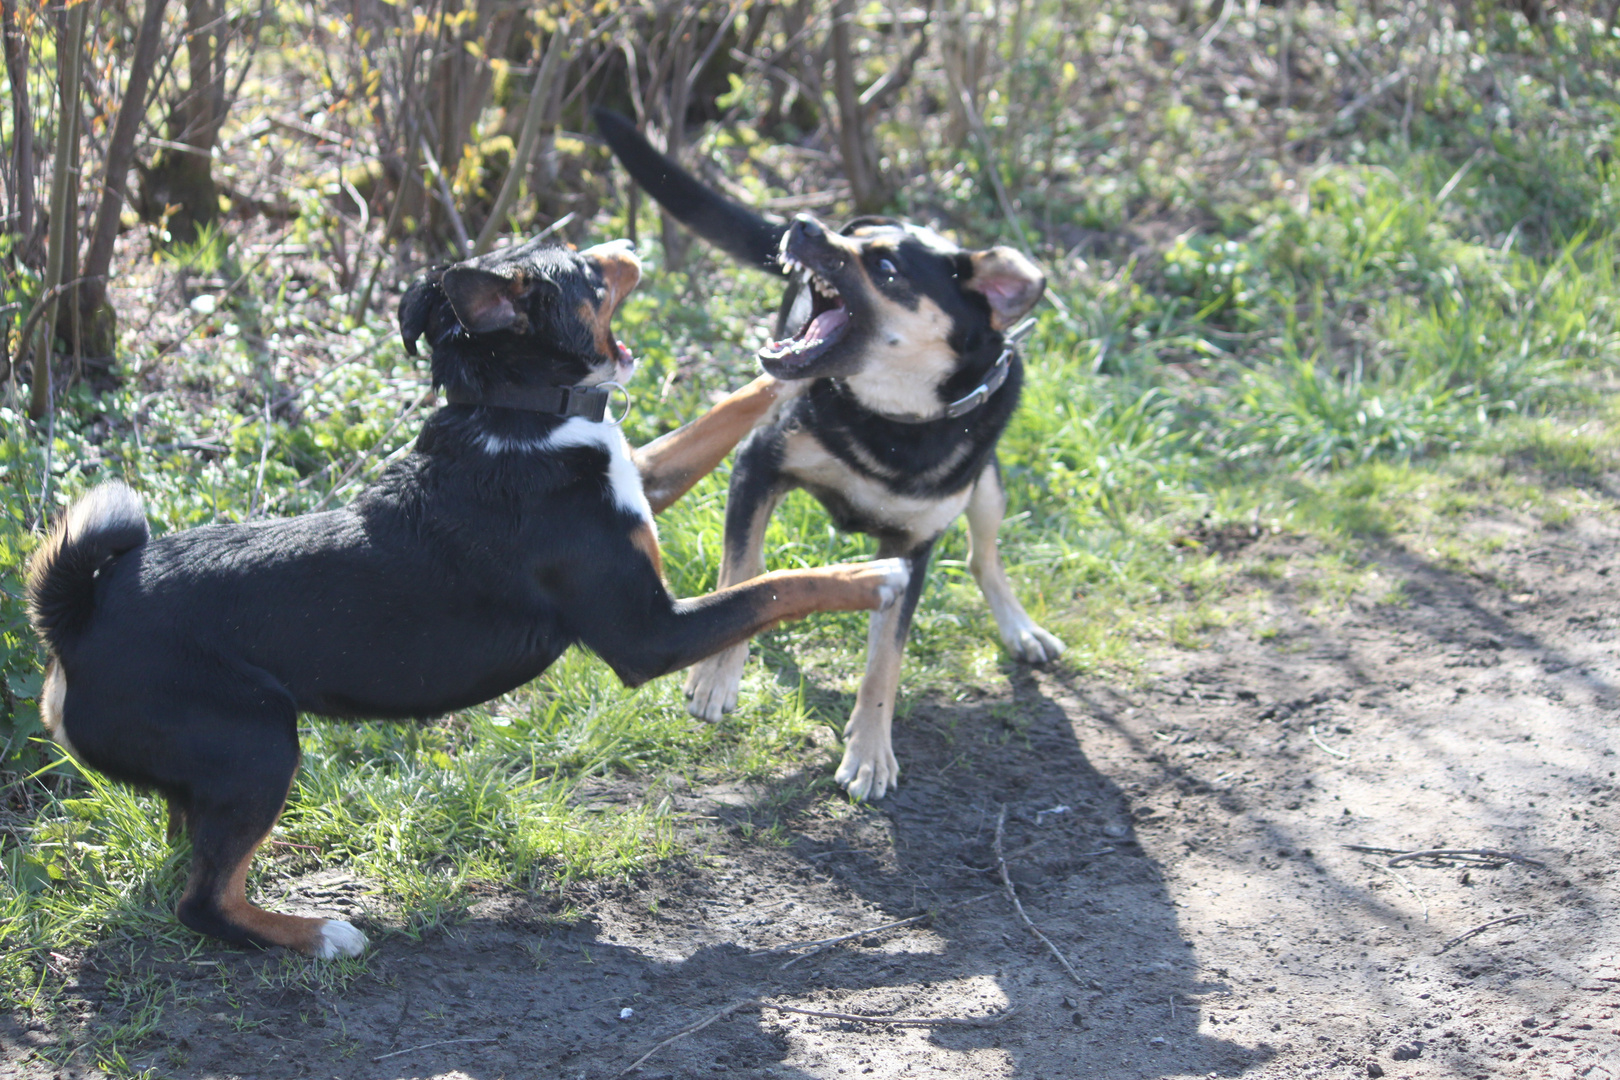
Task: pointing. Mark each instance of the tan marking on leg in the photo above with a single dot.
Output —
(672, 463)
(645, 540)
(52, 701)
(231, 902)
(869, 768)
(1023, 638)
(713, 684)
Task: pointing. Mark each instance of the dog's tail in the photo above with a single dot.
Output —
(745, 235)
(61, 576)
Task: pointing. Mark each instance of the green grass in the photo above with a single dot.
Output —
(1364, 365)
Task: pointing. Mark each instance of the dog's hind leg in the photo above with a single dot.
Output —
(869, 768)
(985, 509)
(756, 488)
(229, 814)
(177, 818)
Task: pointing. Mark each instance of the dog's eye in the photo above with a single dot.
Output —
(886, 268)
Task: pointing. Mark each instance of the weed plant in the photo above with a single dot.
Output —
(1421, 325)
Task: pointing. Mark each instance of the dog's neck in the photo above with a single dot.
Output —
(586, 402)
(923, 392)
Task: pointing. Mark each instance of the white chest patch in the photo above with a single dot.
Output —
(809, 461)
(624, 480)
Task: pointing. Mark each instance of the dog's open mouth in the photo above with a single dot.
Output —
(827, 322)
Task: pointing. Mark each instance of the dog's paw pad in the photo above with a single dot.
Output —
(339, 938)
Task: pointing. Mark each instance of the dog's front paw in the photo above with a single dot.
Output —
(1031, 644)
(338, 938)
(869, 769)
(711, 688)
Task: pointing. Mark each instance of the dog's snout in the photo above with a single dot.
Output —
(808, 227)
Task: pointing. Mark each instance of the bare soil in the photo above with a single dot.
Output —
(1230, 929)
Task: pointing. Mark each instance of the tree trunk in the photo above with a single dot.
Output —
(16, 50)
(867, 184)
(69, 65)
(179, 186)
(96, 316)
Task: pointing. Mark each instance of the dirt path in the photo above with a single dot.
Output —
(1230, 931)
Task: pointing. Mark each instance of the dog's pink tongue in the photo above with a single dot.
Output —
(826, 325)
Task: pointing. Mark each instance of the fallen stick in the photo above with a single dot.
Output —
(441, 1042)
(1318, 741)
(1481, 928)
(1012, 894)
(1474, 854)
(818, 946)
(919, 1021)
(756, 1003)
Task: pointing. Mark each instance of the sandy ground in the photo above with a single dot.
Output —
(1228, 928)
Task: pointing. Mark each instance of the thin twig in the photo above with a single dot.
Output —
(822, 944)
(367, 456)
(1318, 741)
(1456, 178)
(736, 1006)
(756, 1003)
(1481, 928)
(1012, 894)
(1476, 854)
(920, 1021)
(441, 1042)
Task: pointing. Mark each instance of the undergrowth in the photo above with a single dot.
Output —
(1371, 348)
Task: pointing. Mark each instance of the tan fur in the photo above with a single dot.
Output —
(910, 359)
(645, 540)
(671, 464)
(52, 699)
(290, 931)
(919, 518)
(1010, 281)
(869, 767)
(711, 685)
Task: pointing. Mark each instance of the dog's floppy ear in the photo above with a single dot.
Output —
(484, 302)
(1008, 280)
(414, 308)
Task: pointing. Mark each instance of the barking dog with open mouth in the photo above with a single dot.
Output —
(520, 524)
(907, 341)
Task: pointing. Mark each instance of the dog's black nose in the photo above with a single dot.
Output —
(808, 227)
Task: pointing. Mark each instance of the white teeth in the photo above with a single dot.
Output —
(823, 286)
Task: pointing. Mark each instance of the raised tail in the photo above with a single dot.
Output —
(107, 522)
(745, 235)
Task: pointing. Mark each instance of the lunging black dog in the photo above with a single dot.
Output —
(519, 525)
(907, 338)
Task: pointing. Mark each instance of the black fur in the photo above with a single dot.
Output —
(890, 325)
(463, 572)
(935, 458)
(744, 235)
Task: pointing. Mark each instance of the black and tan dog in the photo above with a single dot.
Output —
(520, 525)
(905, 338)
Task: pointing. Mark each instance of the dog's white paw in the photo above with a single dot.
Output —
(868, 770)
(1031, 644)
(895, 575)
(712, 685)
(339, 938)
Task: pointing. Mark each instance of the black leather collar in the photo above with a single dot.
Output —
(590, 402)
